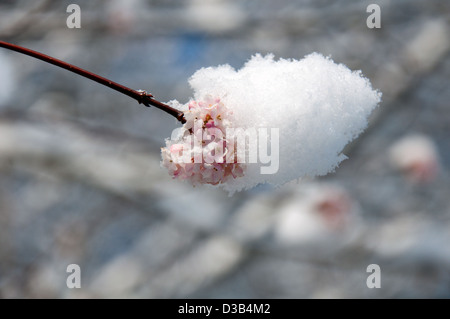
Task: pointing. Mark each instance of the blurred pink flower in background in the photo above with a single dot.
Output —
(315, 212)
(417, 157)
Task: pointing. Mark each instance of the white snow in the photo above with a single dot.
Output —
(317, 105)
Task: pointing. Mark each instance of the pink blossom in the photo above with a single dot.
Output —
(202, 154)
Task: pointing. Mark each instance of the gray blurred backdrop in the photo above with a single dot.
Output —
(80, 181)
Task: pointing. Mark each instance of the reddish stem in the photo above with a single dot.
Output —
(139, 95)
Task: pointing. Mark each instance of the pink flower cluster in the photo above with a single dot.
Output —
(202, 153)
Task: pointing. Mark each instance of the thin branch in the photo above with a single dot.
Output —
(139, 95)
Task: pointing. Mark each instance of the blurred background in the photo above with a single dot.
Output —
(80, 181)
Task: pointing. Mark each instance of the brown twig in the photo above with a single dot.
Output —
(139, 95)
